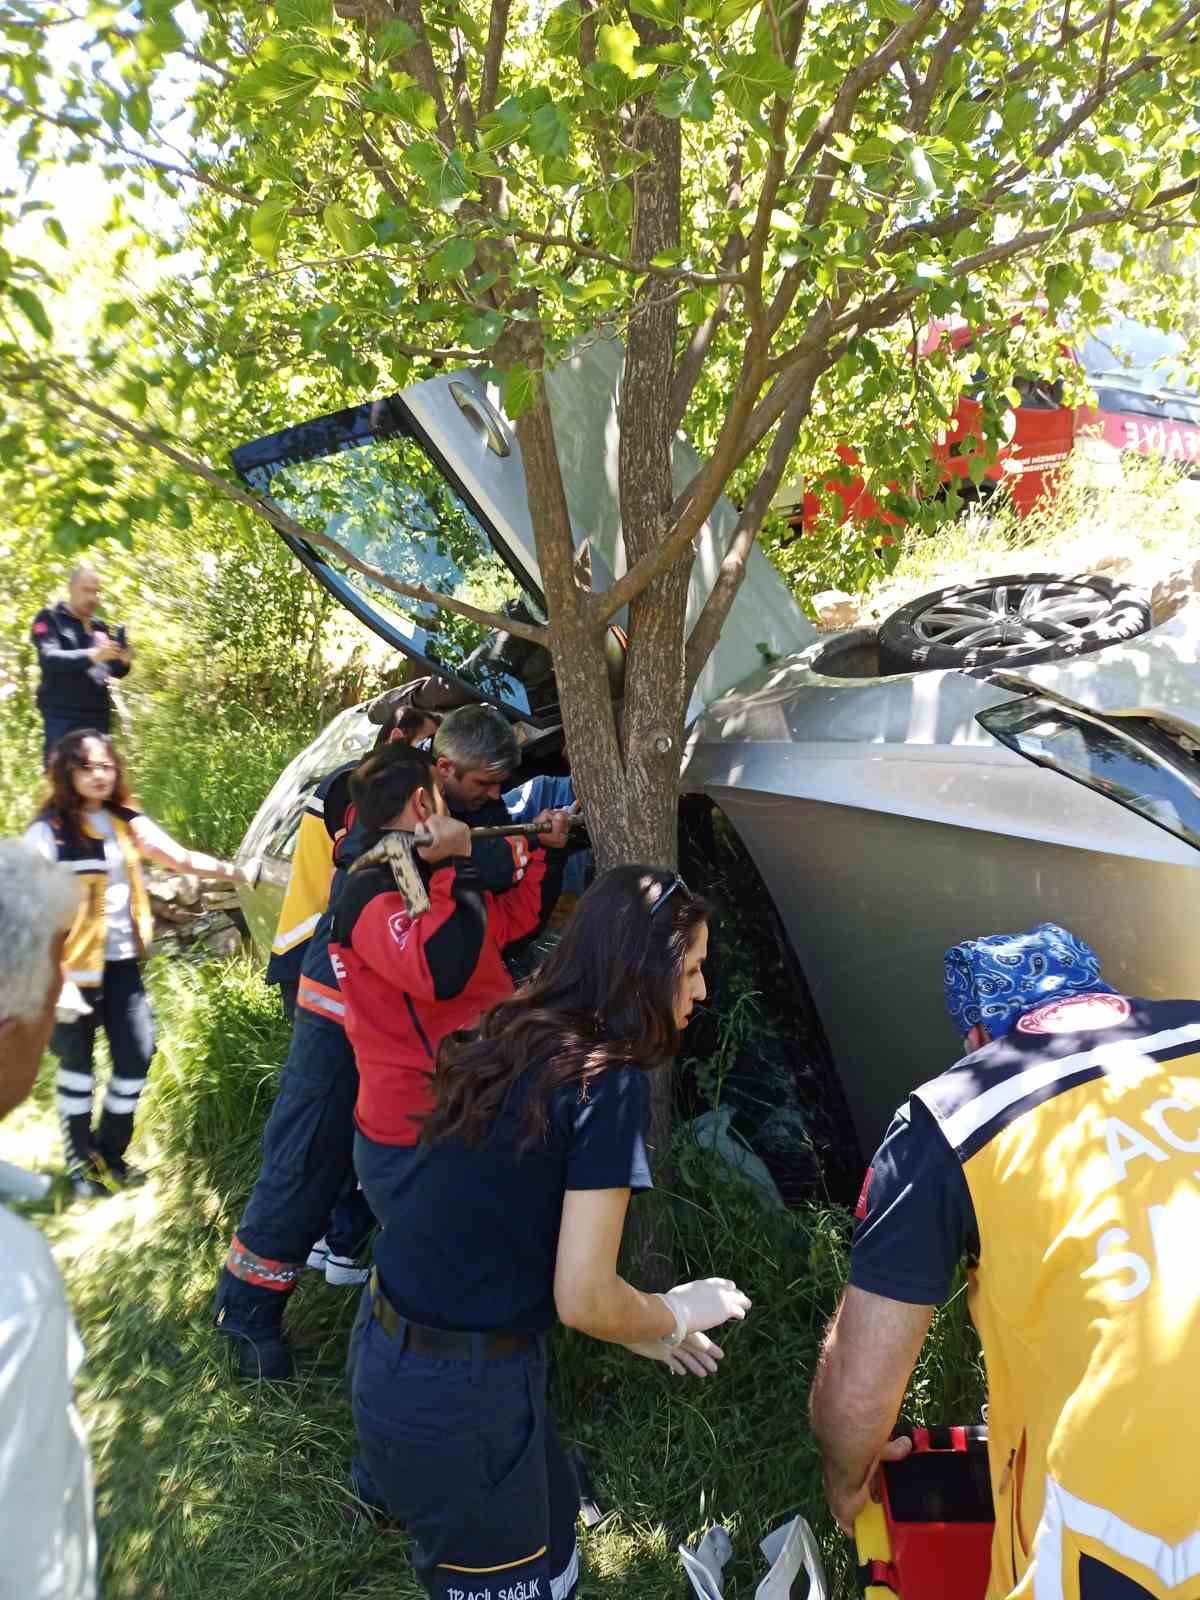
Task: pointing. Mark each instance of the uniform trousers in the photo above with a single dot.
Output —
(119, 1005)
(306, 1185)
(465, 1454)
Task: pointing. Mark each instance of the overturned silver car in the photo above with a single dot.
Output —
(1020, 749)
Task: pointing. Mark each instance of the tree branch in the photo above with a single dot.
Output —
(86, 129)
(419, 60)
(707, 628)
(266, 508)
(939, 61)
(861, 77)
(884, 307)
(493, 57)
(637, 269)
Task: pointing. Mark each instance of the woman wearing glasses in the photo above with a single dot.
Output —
(508, 1219)
(89, 821)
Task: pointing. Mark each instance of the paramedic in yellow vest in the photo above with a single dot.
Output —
(1061, 1157)
(321, 826)
(89, 822)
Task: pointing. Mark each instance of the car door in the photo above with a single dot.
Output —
(429, 486)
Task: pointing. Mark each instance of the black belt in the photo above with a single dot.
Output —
(423, 1341)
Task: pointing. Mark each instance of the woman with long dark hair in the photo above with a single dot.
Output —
(509, 1218)
(90, 821)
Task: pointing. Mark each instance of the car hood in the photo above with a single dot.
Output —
(1156, 675)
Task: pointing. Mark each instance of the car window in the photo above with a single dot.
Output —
(1132, 761)
(1139, 369)
(383, 499)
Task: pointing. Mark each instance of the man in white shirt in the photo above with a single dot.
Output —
(47, 1529)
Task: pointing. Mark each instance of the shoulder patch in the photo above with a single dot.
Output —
(860, 1209)
(1078, 1013)
(41, 627)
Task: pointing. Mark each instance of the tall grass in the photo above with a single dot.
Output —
(207, 1488)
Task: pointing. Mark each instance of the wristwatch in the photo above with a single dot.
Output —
(679, 1332)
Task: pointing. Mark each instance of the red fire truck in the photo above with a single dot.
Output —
(1144, 404)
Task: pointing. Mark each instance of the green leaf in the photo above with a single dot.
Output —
(977, 469)
(894, 10)
(749, 79)
(520, 390)
(916, 164)
(313, 324)
(1058, 284)
(615, 46)
(316, 15)
(267, 224)
(682, 94)
(118, 312)
(394, 40)
(137, 109)
(274, 84)
(667, 13)
(561, 29)
(549, 132)
(347, 229)
(56, 231)
(31, 308)
(455, 256)
(481, 332)
(444, 174)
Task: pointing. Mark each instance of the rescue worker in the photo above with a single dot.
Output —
(1060, 1158)
(307, 1161)
(78, 656)
(507, 1218)
(90, 821)
(321, 825)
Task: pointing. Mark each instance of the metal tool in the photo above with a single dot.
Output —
(398, 851)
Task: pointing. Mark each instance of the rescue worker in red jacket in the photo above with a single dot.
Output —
(407, 982)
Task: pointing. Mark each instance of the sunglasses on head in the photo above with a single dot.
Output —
(675, 883)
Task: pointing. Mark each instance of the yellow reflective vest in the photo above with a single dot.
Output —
(83, 953)
(1079, 1138)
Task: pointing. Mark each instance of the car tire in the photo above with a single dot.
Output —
(1011, 621)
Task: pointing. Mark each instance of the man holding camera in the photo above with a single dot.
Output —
(78, 656)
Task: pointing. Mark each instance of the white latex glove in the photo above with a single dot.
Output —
(708, 1302)
(71, 1004)
(698, 1355)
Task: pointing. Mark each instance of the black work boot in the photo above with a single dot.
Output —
(253, 1319)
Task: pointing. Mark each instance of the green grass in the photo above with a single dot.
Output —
(207, 1488)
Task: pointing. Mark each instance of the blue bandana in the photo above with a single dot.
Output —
(995, 979)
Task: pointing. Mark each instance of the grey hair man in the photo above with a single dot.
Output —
(475, 754)
(47, 1529)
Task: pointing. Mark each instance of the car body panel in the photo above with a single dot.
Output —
(888, 824)
(871, 901)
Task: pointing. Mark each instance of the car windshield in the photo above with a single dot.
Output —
(1135, 368)
(385, 502)
(1134, 762)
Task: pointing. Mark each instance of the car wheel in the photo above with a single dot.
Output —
(1037, 616)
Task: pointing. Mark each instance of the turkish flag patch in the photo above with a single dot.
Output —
(41, 627)
(860, 1209)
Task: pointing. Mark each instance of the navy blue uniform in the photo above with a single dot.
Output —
(461, 1447)
(73, 691)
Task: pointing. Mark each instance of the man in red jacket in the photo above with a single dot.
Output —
(407, 982)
